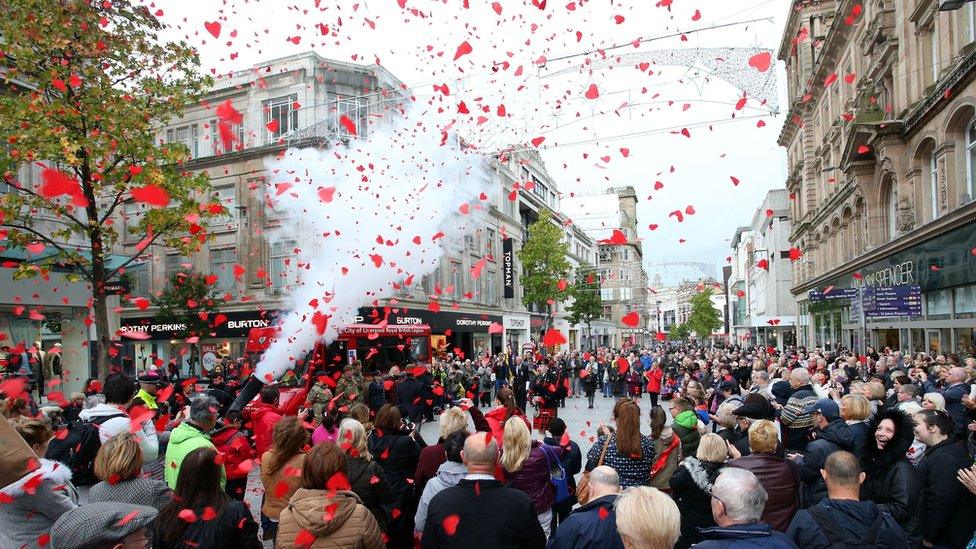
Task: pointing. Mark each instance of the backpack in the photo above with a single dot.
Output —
(78, 449)
(835, 535)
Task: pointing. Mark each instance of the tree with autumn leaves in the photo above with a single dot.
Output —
(544, 266)
(86, 87)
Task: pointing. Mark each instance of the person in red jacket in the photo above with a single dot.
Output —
(505, 408)
(233, 445)
(264, 417)
(654, 377)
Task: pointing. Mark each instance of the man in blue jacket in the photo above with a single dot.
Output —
(593, 525)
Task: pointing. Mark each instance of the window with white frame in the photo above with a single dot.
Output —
(217, 143)
(624, 252)
(934, 185)
(283, 271)
(282, 111)
(132, 214)
(174, 264)
(607, 312)
(934, 52)
(605, 253)
(490, 242)
(457, 281)
(140, 279)
(226, 197)
(970, 21)
(222, 263)
(606, 294)
(353, 108)
(626, 294)
(606, 275)
(970, 159)
(625, 274)
(492, 297)
(187, 136)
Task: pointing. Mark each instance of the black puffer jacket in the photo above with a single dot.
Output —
(691, 486)
(835, 436)
(892, 481)
(234, 528)
(947, 515)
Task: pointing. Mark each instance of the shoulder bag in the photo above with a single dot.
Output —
(583, 488)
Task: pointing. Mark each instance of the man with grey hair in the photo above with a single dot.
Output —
(738, 500)
(190, 434)
(593, 524)
(798, 423)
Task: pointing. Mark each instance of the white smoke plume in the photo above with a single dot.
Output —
(363, 218)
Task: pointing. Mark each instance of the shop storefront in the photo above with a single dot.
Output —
(462, 334)
(167, 340)
(516, 331)
(943, 268)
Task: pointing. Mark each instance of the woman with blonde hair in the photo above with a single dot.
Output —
(647, 519)
(625, 449)
(118, 465)
(933, 401)
(526, 464)
(691, 487)
(856, 411)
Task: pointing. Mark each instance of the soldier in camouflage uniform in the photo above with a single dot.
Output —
(319, 396)
(349, 389)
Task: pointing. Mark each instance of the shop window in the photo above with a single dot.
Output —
(607, 312)
(965, 302)
(222, 265)
(964, 342)
(938, 305)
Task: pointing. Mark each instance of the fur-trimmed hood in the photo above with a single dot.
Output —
(899, 445)
(703, 474)
(53, 471)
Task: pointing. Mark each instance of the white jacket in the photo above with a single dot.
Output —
(148, 440)
(36, 500)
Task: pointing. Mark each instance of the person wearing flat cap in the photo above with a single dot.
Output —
(105, 525)
(833, 434)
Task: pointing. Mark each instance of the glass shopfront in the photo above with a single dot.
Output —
(944, 269)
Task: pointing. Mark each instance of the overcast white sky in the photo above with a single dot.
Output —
(584, 137)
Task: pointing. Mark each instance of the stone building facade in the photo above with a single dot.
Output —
(881, 143)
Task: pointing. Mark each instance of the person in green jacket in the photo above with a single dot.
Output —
(685, 425)
(192, 433)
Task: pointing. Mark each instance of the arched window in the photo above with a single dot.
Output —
(891, 211)
(970, 193)
(934, 185)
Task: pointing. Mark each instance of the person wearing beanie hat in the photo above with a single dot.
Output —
(103, 525)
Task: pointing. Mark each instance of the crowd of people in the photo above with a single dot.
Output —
(741, 448)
